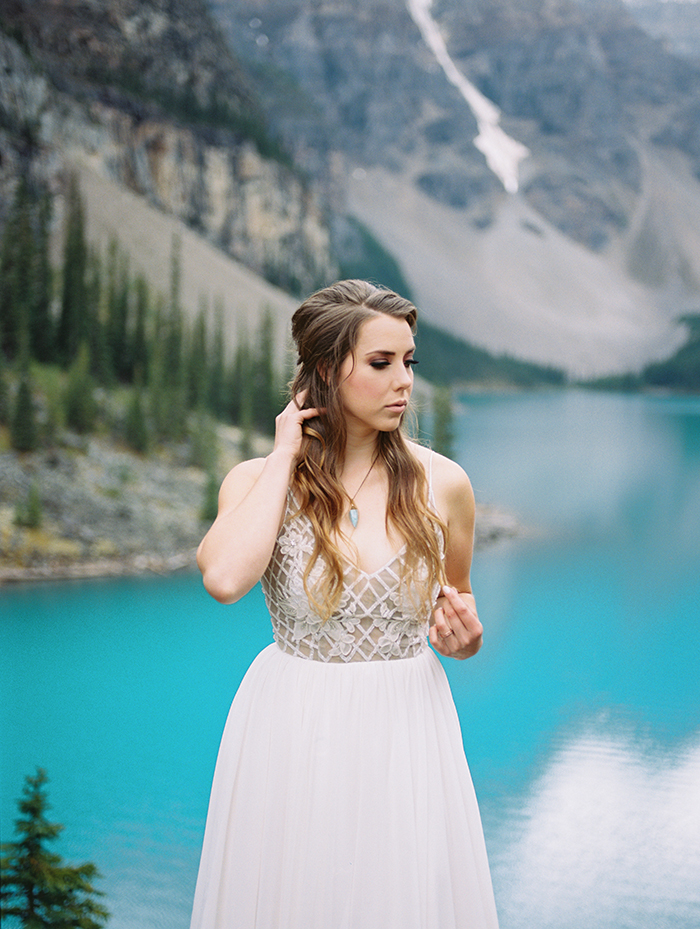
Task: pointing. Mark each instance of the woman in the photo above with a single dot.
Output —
(342, 797)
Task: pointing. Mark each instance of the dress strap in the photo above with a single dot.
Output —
(431, 495)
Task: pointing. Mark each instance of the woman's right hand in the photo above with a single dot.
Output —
(289, 425)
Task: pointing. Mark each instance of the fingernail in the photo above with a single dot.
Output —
(446, 589)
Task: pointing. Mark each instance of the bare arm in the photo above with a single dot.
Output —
(235, 552)
(456, 631)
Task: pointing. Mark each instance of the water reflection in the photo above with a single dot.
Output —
(609, 836)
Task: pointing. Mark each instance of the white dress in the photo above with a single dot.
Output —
(342, 797)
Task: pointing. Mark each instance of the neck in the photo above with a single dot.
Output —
(360, 450)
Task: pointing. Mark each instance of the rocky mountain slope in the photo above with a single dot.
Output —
(590, 261)
(148, 95)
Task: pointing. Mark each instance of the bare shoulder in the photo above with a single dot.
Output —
(450, 480)
(238, 481)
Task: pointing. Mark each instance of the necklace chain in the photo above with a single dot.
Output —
(353, 512)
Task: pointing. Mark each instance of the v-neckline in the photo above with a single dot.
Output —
(378, 570)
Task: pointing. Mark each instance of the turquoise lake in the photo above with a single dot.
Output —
(580, 716)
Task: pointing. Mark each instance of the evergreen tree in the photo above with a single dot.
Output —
(36, 888)
(443, 422)
(4, 393)
(210, 503)
(16, 270)
(118, 314)
(197, 362)
(139, 335)
(73, 325)
(136, 425)
(29, 512)
(240, 386)
(41, 335)
(79, 400)
(216, 400)
(23, 430)
(265, 391)
(167, 374)
(100, 360)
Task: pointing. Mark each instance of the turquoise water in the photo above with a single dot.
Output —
(581, 714)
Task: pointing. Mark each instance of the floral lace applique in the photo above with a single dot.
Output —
(377, 619)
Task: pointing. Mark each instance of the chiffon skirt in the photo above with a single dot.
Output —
(342, 800)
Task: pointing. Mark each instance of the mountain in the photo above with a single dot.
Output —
(582, 249)
(676, 23)
(146, 94)
(532, 165)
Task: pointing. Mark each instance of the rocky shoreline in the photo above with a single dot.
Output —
(107, 512)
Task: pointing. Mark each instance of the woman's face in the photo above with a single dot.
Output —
(375, 383)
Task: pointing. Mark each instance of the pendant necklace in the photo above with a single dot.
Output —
(353, 512)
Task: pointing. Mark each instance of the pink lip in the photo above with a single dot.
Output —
(400, 405)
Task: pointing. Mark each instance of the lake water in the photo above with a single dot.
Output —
(581, 714)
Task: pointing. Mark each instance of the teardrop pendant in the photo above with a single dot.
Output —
(354, 516)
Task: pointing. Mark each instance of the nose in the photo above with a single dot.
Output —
(404, 378)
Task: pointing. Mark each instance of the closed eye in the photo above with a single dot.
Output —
(380, 363)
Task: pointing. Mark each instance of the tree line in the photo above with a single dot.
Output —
(112, 336)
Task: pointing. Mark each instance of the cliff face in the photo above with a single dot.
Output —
(585, 260)
(149, 95)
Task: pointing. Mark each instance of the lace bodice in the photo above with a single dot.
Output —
(378, 618)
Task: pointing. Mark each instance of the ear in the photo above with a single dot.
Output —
(322, 369)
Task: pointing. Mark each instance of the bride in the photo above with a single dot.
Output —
(342, 798)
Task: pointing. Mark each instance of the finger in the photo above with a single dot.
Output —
(437, 642)
(442, 625)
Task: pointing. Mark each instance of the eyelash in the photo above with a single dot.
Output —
(409, 362)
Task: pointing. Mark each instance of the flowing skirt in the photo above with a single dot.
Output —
(342, 800)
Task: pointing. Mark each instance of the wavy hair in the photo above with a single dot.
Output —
(325, 330)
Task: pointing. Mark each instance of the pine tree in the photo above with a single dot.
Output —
(79, 400)
(139, 336)
(197, 362)
(73, 325)
(41, 335)
(4, 392)
(136, 425)
(265, 393)
(29, 512)
(37, 888)
(216, 399)
(118, 314)
(443, 422)
(23, 431)
(210, 503)
(100, 361)
(16, 270)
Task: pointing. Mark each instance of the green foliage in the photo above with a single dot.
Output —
(23, 429)
(73, 322)
(29, 512)
(117, 323)
(210, 503)
(4, 393)
(37, 889)
(264, 388)
(445, 359)
(682, 371)
(443, 422)
(25, 321)
(679, 373)
(136, 425)
(79, 399)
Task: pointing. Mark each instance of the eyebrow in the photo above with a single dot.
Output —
(381, 351)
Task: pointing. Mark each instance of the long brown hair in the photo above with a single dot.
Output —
(325, 330)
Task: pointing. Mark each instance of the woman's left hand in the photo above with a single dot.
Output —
(456, 631)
